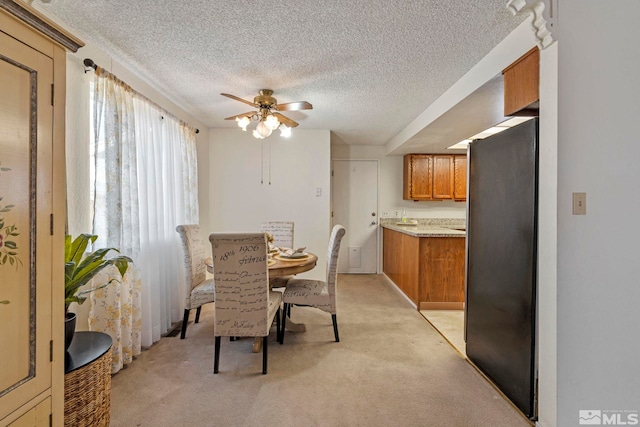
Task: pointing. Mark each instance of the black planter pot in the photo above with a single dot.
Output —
(69, 329)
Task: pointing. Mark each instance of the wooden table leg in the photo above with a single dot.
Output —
(291, 327)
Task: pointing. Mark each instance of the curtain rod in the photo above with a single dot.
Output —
(90, 64)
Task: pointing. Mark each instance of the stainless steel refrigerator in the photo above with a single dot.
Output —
(500, 318)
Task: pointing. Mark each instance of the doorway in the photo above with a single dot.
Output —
(355, 206)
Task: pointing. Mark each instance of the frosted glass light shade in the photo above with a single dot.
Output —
(285, 131)
(262, 130)
(243, 122)
(272, 122)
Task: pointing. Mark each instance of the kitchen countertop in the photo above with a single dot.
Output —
(421, 230)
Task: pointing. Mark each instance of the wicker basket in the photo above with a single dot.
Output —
(87, 394)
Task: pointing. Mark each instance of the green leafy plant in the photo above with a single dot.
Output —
(80, 267)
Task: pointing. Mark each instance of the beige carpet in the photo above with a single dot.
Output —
(391, 368)
(450, 323)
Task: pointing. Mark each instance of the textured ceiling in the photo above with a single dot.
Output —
(369, 67)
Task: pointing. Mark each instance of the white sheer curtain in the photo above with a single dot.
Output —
(145, 185)
(168, 192)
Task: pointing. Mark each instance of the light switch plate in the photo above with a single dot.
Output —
(579, 203)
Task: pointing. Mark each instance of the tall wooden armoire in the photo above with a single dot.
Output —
(32, 215)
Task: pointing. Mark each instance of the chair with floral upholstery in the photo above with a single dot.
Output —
(200, 290)
(317, 293)
(244, 306)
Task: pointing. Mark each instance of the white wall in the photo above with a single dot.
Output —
(547, 238)
(240, 196)
(598, 152)
(77, 145)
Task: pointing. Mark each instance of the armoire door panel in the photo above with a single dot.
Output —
(26, 132)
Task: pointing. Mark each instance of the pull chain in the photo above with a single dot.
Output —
(269, 163)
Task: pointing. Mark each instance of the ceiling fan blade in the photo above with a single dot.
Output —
(239, 99)
(249, 114)
(294, 106)
(285, 120)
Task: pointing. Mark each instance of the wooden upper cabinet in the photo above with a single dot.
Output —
(521, 85)
(459, 177)
(442, 176)
(435, 177)
(418, 177)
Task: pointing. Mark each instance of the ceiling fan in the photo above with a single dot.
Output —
(267, 115)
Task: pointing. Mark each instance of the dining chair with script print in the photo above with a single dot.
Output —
(199, 289)
(317, 293)
(282, 232)
(244, 306)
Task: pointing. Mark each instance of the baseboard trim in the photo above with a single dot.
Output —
(413, 304)
(441, 305)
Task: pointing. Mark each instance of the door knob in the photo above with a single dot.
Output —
(373, 223)
(373, 214)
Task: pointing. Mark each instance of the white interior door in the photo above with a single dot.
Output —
(355, 206)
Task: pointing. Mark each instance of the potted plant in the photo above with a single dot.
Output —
(79, 268)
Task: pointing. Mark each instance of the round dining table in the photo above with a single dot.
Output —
(280, 266)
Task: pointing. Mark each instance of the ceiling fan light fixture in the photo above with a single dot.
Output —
(263, 130)
(268, 115)
(243, 122)
(285, 131)
(271, 122)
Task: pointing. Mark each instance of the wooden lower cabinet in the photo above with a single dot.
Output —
(441, 269)
(429, 270)
(400, 261)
